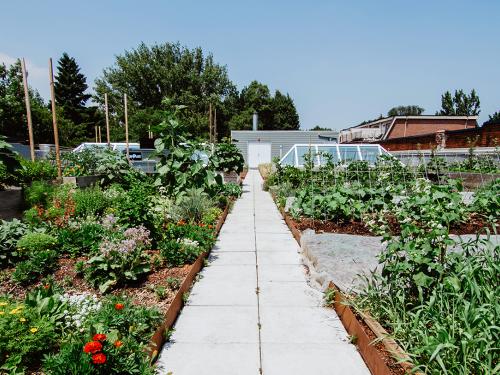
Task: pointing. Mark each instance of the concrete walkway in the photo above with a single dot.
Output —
(252, 310)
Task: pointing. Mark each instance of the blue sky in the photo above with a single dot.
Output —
(341, 61)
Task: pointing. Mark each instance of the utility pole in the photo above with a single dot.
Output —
(126, 127)
(28, 110)
(54, 120)
(107, 118)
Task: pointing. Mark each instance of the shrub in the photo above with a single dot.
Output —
(211, 216)
(39, 263)
(34, 241)
(36, 171)
(39, 193)
(9, 163)
(231, 190)
(119, 261)
(26, 335)
(10, 233)
(487, 201)
(89, 202)
(191, 205)
(83, 239)
(227, 158)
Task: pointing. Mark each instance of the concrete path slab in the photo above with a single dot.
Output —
(252, 310)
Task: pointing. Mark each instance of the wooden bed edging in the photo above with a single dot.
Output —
(373, 359)
(161, 333)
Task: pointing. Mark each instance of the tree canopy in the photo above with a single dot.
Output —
(460, 104)
(406, 110)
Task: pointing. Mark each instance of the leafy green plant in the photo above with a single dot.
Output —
(9, 163)
(211, 216)
(10, 232)
(174, 283)
(227, 157)
(39, 263)
(231, 189)
(84, 239)
(119, 261)
(36, 241)
(192, 205)
(487, 201)
(38, 170)
(39, 193)
(114, 168)
(90, 201)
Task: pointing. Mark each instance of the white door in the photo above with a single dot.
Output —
(258, 153)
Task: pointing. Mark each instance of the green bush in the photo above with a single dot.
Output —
(36, 171)
(487, 201)
(89, 202)
(84, 239)
(39, 263)
(9, 163)
(227, 158)
(119, 260)
(26, 335)
(34, 241)
(231, 189)
(192, 205)
(10, 233)
(211, 216)
(39, 193)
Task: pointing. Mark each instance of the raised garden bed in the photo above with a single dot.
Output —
(11, 203)
(82, 181)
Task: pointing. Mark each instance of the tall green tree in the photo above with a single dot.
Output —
(148, 74)
(493, 119)
(13, 123)
(285, 116)
(406, 110)
(460, 104)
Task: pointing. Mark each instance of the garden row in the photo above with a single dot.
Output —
(88, 274)
(440, 306)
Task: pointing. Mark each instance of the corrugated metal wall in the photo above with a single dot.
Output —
(281, 140)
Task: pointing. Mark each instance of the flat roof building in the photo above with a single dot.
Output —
(261, 146)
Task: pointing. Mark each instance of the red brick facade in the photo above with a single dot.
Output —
(485, 136)
(410, 127)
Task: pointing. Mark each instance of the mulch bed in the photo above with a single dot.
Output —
(142, 293)
(475, 224)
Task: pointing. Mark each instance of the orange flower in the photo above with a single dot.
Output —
(92, 347)
(99, 358)
(118, 343)
(99, 337)
(119, 306)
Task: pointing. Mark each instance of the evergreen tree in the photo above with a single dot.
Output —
(460, 104)
(285, 116)
(70, 86)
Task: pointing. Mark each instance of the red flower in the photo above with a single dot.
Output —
(46, 286)
(119, 306)
(99, 337)
(118, 343)
(92, 347)
(99, 358)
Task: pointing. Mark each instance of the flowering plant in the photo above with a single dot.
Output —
(119, 260)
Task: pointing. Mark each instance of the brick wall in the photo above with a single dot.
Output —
(487, 136)
(412, 127)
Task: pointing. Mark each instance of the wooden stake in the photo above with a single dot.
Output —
(210, 122)
(54, 120)
(126, 127)
(28, 111)
(96, 139)
(100, 139)
(107, 118)
(215, 125)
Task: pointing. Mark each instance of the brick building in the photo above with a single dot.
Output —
(422, 132)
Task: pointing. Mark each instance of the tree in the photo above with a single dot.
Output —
(276, 112)
(149, 74)
(13, 123)
(285, 116)
(493, 119)
(320, 128)
(406, 110)
(460, 104)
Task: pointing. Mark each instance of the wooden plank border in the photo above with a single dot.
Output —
(161, 333)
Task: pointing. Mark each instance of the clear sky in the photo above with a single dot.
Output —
(341, 61)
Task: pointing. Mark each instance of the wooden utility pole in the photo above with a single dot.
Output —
(215, 125)
(210, 122)
(107, 118)
(54, 120)
(28, 111)
(126, 127)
